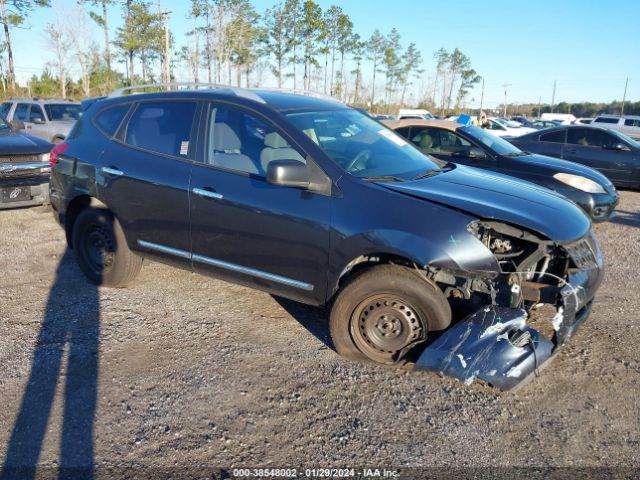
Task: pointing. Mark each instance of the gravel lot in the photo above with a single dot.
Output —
(193, 371)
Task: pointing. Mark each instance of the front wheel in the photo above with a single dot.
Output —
(101, 249)
(383, 313)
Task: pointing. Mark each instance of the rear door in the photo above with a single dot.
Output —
(549, 143)
(144, 177)
(246, 230)
(593, 147)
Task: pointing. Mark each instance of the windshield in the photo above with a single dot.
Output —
(624, 137)
(492, 142)
(63, 111)
(362, 146)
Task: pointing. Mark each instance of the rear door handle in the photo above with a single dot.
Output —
(112, 171)
(207, 192)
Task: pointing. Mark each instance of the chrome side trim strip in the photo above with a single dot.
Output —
(207, 193)
(254, 273)
(22, 167)
(227, 266)
(163, 249)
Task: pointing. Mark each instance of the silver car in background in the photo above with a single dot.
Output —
(49, 119)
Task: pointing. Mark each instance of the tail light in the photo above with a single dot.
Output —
(58, 149)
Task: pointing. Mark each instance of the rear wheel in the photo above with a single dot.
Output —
(385, 312)
(101, 249)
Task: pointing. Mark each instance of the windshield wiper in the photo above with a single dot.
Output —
(516, 154)
(384, 178)
(426, 173)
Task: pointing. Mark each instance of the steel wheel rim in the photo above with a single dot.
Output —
(385, 327)
(99, 249)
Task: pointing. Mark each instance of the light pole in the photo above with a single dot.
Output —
(624, 96)
(505, 86)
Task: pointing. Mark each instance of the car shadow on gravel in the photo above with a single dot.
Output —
(630, 219)
(69, 336)
(314, 319)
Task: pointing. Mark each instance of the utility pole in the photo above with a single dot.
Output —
(539, 107)
(505, 86)
(166, 73)
(553, 97)
(481, 98)
(624, 97)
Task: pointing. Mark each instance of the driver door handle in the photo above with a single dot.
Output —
(207, 192)
(112, 171)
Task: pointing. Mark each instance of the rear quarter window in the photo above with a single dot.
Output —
(553, 137)
(109, 120)
(629, 122)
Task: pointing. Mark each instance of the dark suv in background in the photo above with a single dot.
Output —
(308, 199)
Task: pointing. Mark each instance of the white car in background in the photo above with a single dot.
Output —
(507, 128)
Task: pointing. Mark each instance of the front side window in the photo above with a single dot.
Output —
(590, 138)
(36, 113)
(241, 142)
(553, 137)
(63, 111)
(162, 127)
(492, 142)
(22, 112)
(435, 140)
(493, 125)
(361, 146)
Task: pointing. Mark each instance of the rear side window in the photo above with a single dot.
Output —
(553, 137)
(606, 120)
(22, 112)
(109, 120)
(5, 108)
(629, 122)
(162, 127)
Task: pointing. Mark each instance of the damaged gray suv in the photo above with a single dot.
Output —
(308, 199)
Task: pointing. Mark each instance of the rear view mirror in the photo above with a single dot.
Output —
(288, 173)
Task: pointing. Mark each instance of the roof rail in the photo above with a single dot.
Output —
(299, 91)
(240, 92)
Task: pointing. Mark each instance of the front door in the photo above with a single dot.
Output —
(449, 146)
(144, 178)
(246, 230)
(593, 148)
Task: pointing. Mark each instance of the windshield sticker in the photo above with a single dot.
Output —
(393, 137)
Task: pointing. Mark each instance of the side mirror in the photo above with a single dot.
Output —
(617, 146)
(38, 120)
(477, 153)
(17, 124)
(288, 173)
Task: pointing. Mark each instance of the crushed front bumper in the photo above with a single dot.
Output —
(496, 345)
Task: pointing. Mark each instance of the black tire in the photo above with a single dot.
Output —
(384, 312)
(101, 249)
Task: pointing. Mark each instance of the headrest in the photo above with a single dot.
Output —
(225, 139)
(274, 140)
(426, 141)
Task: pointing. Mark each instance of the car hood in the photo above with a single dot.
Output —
(16, 143)
(559, 166)
(503, 198)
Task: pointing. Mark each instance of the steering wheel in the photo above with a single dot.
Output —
(362, 156)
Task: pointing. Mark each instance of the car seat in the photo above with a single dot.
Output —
(277, 148)
(225, 150)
